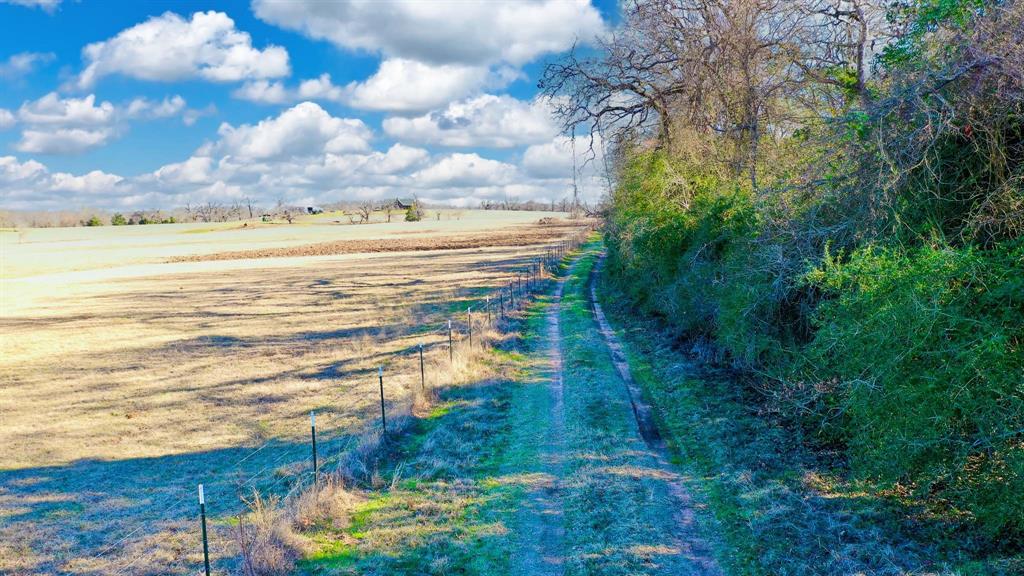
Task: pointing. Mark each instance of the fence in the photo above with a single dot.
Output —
(494, 310)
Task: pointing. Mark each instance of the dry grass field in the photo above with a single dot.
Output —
(136, 362)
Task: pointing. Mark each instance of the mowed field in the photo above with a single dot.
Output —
(137, 362)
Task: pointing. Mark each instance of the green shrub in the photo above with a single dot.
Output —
(922, 351)
(912, 361)
(118, 220)
(93, 221)
(685, 246)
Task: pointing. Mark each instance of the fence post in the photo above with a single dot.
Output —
(501, 302)
(451, 347)
(423, 373)
(487, 304)
(312, 431)
(383, 417)
(469, 322)
(202, 520)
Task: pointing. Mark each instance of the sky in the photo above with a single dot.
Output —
(154, 105)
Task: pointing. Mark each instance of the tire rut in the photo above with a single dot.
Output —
(543, 519)
(693, 546)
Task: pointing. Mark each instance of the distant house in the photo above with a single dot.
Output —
(314, 210)
(399, 204)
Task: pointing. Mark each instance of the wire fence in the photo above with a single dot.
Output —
(493, 310)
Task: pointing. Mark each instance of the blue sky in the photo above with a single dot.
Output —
(125, 105)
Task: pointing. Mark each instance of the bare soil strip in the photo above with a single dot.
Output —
(641, 409)
(526, 237)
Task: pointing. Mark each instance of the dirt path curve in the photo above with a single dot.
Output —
(694, 547)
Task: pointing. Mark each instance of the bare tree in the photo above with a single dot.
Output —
(365, 210)
(724, 75)
(209, 212)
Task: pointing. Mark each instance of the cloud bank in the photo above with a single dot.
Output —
(304, 155)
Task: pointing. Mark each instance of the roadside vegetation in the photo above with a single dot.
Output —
(824, 201)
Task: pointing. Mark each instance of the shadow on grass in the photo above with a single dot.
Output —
(70, 514)
(434, 512)
(55, 519)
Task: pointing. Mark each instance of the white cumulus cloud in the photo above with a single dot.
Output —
(63, 140)
(169, 47)
(264, 92)
(52, 109)
(441, 31)
(302, 130)
(47, 5)
(550, 160)
(29, 185)
(320, 88)
(486, 120)
(408, 85)
(275, 92)
(91, 183)
(195, 170)
(56, 125)
(6, 119)
(145, 108)
(23, 63)
(440, 51)
(465, 170)
(11, 170)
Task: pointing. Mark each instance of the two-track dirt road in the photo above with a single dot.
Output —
(607, 501)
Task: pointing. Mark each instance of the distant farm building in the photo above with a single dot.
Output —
(399, 204)
(314, 210)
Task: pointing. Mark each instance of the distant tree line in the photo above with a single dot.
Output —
(563, 205)
(353, 211)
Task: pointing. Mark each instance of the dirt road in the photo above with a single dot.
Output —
(605, 500)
